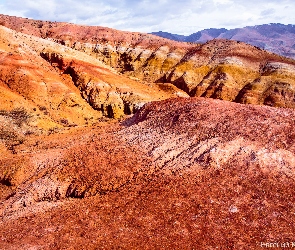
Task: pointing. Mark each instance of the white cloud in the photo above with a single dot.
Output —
(222, 2)
(185, 17)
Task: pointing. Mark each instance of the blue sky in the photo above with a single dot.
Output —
(175, 16)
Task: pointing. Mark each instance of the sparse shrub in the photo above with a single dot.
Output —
(53, 130)
(10, 137)
(19, 116)
(64, 122)
(29, 132)
(12, 129)
(42, 108)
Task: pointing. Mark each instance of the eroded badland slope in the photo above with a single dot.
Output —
(221, 69)
(45, 86)
(176, 173)
(181, 174)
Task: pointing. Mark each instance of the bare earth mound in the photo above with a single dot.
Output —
(180, 174)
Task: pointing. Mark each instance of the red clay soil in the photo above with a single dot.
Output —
(180, 174)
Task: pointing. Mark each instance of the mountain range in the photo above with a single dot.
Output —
(274, 37)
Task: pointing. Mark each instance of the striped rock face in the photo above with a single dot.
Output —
(59, 87)
(221, 69)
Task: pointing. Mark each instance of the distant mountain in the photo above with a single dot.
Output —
(205, 35)
(274, 37)
(175, 37)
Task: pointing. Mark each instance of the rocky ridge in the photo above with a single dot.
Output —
(275, 37)
(221, 69)
(45, 86)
